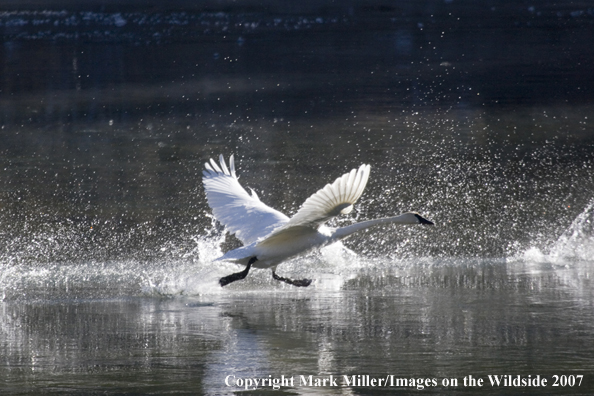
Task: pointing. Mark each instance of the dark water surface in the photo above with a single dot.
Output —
(476, 114)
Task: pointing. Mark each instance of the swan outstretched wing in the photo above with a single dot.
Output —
(241, 213)
(332, 200)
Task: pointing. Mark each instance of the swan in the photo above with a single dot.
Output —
(269, 237)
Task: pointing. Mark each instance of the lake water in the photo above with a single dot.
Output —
(479, 116)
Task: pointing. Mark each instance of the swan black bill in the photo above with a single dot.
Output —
(423, 220)
(224, 281)
(294, 282)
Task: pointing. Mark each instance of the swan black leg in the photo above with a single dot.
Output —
(238, 275)
(295, 282)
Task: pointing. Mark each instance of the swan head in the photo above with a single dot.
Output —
(420, 219)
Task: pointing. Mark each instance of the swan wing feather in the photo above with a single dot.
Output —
(241, 213)
(332, 200)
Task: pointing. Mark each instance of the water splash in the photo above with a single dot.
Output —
(72, 262)
(577, 242)
(190, 278)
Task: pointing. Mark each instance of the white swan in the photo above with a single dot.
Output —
(270, 237)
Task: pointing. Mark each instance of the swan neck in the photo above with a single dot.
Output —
(343, 232)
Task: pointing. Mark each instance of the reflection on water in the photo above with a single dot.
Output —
(85, 346)
(445, 322)
(477, 115)
(419, 317)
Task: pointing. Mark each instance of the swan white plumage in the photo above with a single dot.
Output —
(270, 237)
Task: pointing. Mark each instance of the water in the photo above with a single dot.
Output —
(477, 116)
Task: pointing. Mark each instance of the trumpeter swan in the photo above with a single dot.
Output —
(270, 237)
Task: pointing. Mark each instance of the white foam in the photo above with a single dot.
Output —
(577, 242)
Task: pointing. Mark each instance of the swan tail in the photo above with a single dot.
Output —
(239, 256)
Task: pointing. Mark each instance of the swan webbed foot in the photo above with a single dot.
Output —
(294, 282)
(224, 281)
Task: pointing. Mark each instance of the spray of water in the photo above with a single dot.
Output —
(488, 213)
(575, 244)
